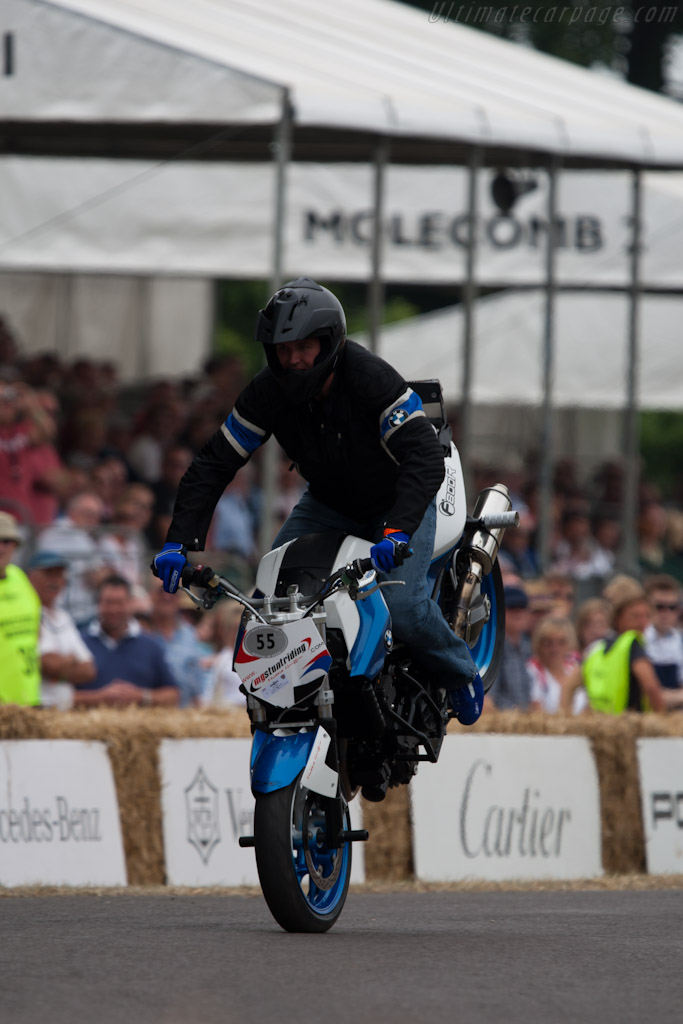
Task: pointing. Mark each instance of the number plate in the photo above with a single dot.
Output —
(265, 641)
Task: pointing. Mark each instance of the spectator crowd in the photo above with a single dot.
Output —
(87, 484)
(619, 652)
(88, 477)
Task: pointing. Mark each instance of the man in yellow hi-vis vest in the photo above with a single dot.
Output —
(610, 674)
(616, 672)
(19, 624)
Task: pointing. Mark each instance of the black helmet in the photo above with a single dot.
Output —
(302, 309)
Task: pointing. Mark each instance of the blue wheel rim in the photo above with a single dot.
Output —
(327, 864)
(483, 650)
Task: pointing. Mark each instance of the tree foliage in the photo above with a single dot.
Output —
(661, 444)
(629, 38)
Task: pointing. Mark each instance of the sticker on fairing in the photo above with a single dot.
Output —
(317, 774)
(268, 690)
(272, 673)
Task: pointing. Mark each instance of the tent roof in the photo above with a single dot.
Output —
(355, 70)
(590, 350)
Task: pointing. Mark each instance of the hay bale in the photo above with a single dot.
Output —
(21, 723)
(389, 853)
(132, 736)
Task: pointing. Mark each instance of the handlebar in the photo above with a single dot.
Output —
(199, 576)
(358, 568)
(204, 576)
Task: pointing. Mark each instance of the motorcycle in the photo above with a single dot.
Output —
(337, 704)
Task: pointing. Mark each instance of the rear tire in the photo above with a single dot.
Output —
(488, 650)
(304, 882)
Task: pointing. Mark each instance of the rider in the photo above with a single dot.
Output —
(357, 433)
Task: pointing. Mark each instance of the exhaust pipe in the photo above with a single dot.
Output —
(493, 513)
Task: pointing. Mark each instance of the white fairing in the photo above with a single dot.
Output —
(451, 506)
(317, 775)
(342, 612)
(269, 569)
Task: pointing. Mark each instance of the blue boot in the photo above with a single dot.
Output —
(468, 701)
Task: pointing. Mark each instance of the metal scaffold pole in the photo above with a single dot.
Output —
(469, 299)
(282, 145)
(545, 495)
(629, 511)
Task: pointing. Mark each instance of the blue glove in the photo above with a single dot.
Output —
(388, 554)
(169, 564)
(468, 701)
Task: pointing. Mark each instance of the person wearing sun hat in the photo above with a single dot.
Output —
(19, 624)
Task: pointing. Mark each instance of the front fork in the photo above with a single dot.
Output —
(333, 805)
(277, 760)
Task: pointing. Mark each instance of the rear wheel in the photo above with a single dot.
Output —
(304, 882)
(488, 650)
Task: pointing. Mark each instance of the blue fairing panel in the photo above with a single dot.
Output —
(369, 650)
(277, 760)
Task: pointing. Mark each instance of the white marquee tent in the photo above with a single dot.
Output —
(590, 368)
(224, 80)
(125, 125)
(351, 68)
(117, 112)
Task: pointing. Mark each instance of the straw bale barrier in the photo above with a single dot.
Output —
(133, 735)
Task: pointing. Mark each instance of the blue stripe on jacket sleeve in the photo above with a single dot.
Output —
(400, 412)
(248, 439)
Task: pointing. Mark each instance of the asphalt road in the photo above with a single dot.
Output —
(408, 957)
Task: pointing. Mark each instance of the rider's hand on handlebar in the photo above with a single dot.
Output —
(391, 551)
(169, 564)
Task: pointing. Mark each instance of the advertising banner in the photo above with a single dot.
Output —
(59, 816)
(660, 766)
(507, 807)
(207, 805)
(216, 220)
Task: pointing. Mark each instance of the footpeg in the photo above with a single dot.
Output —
(246, 841)
(354, 835)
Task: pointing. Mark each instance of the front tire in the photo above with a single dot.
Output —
(303, 881)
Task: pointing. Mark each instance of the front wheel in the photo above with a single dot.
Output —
(304, 882)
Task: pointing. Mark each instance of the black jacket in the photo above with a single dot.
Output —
(366, 448)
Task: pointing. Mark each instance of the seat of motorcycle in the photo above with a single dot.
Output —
(433, 406)
(308, 562)
(431, 396)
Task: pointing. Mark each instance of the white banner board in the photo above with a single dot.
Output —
(507, 807)
(216, 220)
(660, 766)
(207, 805)
(59, 816)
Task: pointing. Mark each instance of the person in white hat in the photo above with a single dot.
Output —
(19, 624)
